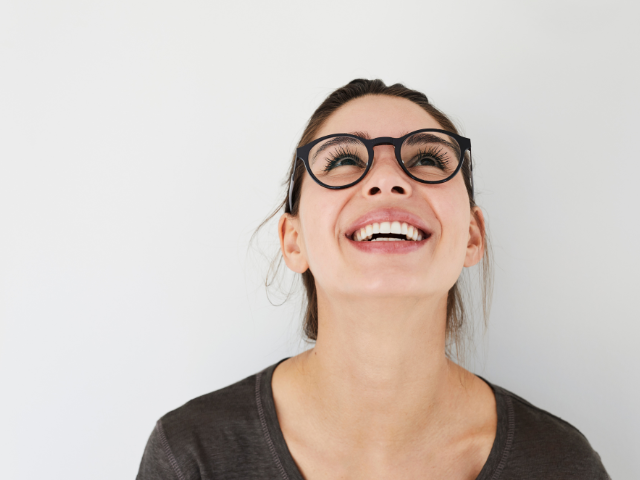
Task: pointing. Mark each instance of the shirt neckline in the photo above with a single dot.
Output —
(281, 455)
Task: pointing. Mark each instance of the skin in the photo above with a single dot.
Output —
(376, 397)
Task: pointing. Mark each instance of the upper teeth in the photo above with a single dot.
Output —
(365, 233)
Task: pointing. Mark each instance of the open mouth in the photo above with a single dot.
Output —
(388, 232)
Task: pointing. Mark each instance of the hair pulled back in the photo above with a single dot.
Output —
(456, 308)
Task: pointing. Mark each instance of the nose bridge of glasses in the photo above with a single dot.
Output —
(382, 142)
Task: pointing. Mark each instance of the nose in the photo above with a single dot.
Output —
(386, 177)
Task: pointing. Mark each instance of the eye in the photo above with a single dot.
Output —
(339, 162)
(342, 157)
(426, 160)
(433, 157)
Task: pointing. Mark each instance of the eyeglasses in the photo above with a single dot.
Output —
(341, 160)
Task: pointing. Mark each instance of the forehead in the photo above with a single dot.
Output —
(378, 116)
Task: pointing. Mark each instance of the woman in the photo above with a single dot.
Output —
(380, 221)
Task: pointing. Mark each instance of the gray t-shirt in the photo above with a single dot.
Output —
(233, 433)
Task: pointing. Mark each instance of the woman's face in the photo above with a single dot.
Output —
(321, 237)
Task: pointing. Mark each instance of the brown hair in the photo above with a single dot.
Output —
(456, 305)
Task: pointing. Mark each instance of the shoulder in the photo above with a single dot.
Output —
(541, 442)
(209, 436)
(231, 405)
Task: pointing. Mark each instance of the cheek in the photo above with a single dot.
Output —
(319, 208)
(453, 212)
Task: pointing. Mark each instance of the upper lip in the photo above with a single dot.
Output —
(388, 215)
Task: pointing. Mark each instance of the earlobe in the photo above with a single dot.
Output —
(290, 241)
(475, 245)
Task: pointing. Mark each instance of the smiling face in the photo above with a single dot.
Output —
(329, 235)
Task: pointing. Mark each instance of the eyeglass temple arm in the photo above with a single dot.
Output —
(293, 172)
(473, 194)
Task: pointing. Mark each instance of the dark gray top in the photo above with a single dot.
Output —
(233, 433)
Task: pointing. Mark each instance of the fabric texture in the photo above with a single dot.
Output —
(233, 433)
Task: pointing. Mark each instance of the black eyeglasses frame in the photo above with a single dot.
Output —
(302, 153)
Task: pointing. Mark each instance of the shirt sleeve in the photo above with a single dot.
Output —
(158, 461)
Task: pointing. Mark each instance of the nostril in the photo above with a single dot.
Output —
(374, 191)
(399, 190)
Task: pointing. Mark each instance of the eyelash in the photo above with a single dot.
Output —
(434, 152)
(339, 154)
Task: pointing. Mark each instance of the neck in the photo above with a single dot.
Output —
(378, 369)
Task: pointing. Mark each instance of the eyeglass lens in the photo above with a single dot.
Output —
(342, 160)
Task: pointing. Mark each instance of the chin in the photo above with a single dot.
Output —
(389, 286)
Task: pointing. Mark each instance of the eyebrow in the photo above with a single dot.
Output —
(340, 141)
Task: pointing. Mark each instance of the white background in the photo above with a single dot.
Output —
(142, 142)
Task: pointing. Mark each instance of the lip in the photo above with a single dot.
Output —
(389, 215)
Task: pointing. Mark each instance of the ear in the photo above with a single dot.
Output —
(475, 245)
(291, 242)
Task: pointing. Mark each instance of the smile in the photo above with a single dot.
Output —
(388, 232)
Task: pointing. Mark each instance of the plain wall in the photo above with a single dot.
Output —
(142, 142)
